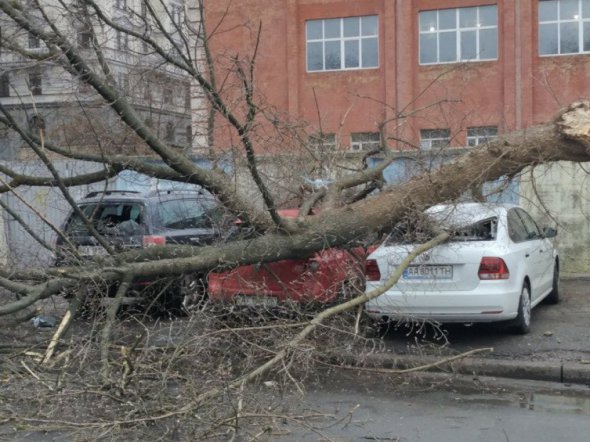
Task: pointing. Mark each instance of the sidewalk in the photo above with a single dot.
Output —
(566, 372)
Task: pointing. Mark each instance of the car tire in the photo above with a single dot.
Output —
(553, 296)
(522, 322)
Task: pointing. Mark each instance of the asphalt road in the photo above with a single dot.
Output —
(374, 407)
(558, 333)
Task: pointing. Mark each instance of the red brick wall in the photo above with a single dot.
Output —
(516, 90)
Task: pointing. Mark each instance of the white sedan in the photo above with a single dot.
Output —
(497, 265)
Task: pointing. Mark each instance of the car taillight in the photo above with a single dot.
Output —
(372, 270)
(493, 268)
(154, 240)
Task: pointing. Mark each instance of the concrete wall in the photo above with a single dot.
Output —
(560, 194)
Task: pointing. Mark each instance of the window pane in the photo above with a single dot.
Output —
(428, 21)
(468, 45)
(315, 56)
(351, 54)
(488, 15)
(333, 55)
(568, 10)
(314, 29)
(370, 52)
(488, 44)
(569, 41)
(370, 25)
(587, 37)
(586, 9)
(332, 28)
(548, 39)
(447, 19)
(548, 10)
(447, 46)
(428, 48)
(351, 27)
(468, 17)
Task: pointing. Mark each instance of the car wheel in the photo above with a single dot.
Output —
(553, 297)
(350, 289)
(191, 292)
(522, 323)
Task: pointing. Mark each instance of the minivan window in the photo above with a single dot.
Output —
(116, 218)
(186, 213)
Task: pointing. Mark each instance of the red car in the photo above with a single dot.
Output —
(323, 278)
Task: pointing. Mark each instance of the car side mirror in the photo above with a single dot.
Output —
(549, 232)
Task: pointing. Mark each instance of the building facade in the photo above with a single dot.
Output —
(40, 94)
(432, 73)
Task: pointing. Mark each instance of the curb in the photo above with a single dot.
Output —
(563, 372)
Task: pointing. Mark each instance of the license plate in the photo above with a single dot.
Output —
(256, 301)
(92, 251)
(428, 272)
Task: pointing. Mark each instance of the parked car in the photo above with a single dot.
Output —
(324, 277)
(131, 220)
(497, 266)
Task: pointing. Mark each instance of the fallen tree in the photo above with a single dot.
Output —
(349, 213)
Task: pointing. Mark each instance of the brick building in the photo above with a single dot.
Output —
(438, 71)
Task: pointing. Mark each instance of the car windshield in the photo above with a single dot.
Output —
(117, 218)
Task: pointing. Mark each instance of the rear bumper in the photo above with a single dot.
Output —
(227, 289)
(492, 301)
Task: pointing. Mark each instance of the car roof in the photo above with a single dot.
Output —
(467, 213)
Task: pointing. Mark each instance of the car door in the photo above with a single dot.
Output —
(523, 248)
(543, 254)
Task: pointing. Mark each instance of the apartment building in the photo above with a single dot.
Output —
(431, 72)
(40, 94)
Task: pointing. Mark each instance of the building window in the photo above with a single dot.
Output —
(167, 95)
(342, 43)
(480, 135)
(34, 42)
(187, 97)
(84, 38)
(35, 83)
(170, 132)
(122, 41)
(365, 141)
(4, 85)
(189, 135)
(176, 14)
(564, 27)
(460, 34)
(123, 82)
(322, 142)
(433, 138)
(36, 123)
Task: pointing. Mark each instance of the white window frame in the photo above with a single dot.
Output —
(365, 144)
(580, 20)
(457, 30)
(429, 143)
(479, 135)
(342, 39)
